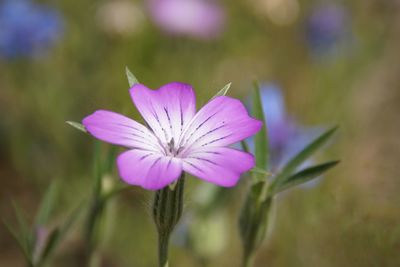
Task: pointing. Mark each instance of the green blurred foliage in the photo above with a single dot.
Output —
(350, 219)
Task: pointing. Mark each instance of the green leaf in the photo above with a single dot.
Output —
(26, 234)
(47, 205)
(131, 78)
(58, 234)
(253, 223)
(223, 91)
(70, 221)
(304, 176)
(20, 241)
(301, 157)
(21, 219)
(261, 139)
(51, 244)
(77, 125)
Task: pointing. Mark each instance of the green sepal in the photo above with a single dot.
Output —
(77, 125)
(131, 78)
(223, 91)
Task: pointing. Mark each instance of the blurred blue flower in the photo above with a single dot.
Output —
(201, 19)
(286, 136)
(27, 29)
(327, 29)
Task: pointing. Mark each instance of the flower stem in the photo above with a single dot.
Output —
(163, 244)
(92, 223)
(167, 210)
(248, 260)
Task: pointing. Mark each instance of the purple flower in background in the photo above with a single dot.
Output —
(200, 19)
(286, 137)
(327, 28)
(177, 139)
(27, 29)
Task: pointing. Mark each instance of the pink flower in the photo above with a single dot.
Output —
(200, 19)
(177, 139)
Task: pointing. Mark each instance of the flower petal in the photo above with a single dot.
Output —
(117, 129)
(167, 110)
(148, 170)
(218, 165)
(221, 122)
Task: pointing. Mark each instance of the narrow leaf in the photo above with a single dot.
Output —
(70, 221)
(301, 157)
(51, 244)
(131, 78)
(305, 176)
(77, 125)
(261, 138)
(22, 223)
(57, 235)
(19, 239)
(223, 91)
(26, 236)
(47, 205)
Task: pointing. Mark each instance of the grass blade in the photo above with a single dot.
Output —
(20, 241)
(301, 157)
(58, 234)
(47, 205)
(50, 246)
(304, 176)
(261, 139)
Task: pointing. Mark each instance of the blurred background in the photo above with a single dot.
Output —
(328, 62)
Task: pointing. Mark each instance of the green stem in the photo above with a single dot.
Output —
(93, 219)
(248, 260)
(163, 244)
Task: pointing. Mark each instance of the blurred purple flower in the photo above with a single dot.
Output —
(286, 136)
(27, 29)
(200, 19)
(178, 138)
(327, 28)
